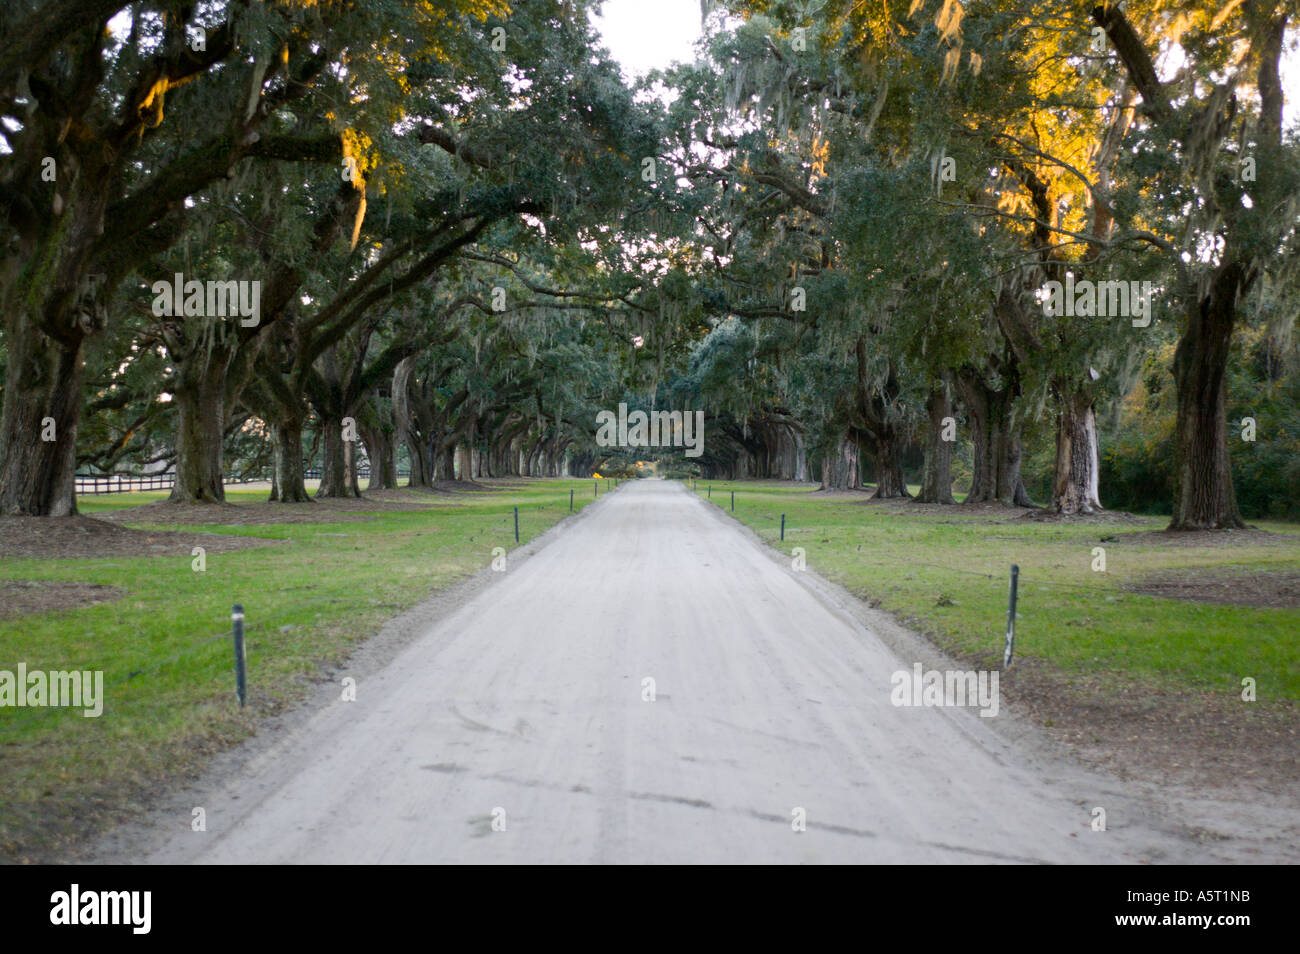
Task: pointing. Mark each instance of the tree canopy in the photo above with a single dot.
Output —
(1042, 251)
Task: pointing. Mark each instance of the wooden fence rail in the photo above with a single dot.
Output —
(122, 483)
(92, 484)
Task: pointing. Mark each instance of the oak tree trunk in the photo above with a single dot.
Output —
(464, 462)
(840, 465)
(382, 451)
(886, 454)
(995, 439)
(200, 436)
(52, 308)
(936, 480)
(339, 463)
(286, 479)
(1204, 498)
(38, 425)
(421, 473)
(1075, 487)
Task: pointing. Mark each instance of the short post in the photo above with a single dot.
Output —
(241, 659)
(733, 501)
(710, 491)
(570, 500)
(783, 528)
(516, 525)
(1011, 618)
(595, 488)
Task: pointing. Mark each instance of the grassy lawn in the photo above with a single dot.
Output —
(166, 652)
(947, 572)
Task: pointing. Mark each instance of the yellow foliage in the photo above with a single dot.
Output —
(818, 154)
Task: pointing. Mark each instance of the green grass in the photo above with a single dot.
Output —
(1070, 616)
(166, 651)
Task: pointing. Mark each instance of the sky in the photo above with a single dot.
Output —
(650, 34)
(644, 35)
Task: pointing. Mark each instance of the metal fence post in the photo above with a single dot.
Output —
(516, 525)
(1011, 617)
(782, 528)
(241, 658)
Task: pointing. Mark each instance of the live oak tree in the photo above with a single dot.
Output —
(78, 215)
(82, 206)
(471, 235)
(1225, 193)
(524, 156)
(1077, 162)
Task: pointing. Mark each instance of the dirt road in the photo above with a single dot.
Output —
(528, 707)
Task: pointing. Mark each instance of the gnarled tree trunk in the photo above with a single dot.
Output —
(200, 434)
(995, 438)
(886, 456)
(1204, 498)
(1075, 487)
(876, 425)
(936, 479)
(381, 449)
(38, 426)
(339, 464)
(51, 305)
(447, 461)
(840, 465)
(287, 484)
(421, 464)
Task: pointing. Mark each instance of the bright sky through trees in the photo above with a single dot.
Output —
(644, 35)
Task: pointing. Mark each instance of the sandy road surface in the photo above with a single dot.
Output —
(529, 699)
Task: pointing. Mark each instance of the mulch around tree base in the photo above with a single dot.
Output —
(88, 538)
(1174, 735)
(20, 597)
(324, 510)
(1279, 589)
(1101, 516)
(1250, 537)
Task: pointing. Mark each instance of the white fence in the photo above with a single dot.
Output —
(122, 483)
